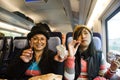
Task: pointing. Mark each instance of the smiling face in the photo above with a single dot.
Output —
(38, 42)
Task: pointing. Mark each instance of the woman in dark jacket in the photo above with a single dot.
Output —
(37, 59)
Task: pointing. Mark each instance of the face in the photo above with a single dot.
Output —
(85, 38)
(38, 42)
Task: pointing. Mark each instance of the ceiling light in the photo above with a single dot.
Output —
(97, 11)
(12, 28)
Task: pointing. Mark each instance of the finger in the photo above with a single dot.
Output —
(117, 63)
(58, 52)
(77, 44)
(27, 52)
(72, 42)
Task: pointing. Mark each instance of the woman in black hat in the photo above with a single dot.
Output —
(37, 59)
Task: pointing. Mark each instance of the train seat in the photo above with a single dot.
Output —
(7, 48)
(1, 56)
(55, 39)
(53, 42)
(1, 49)
(97, 34)
(19, 43)
(96, 39)
(5, 51)
(1, 45)
(56, 34)
(97, 43)
(69, 34)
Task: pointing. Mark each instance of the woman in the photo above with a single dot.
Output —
(84, 61)
(37, 59)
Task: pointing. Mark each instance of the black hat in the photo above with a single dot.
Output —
(44, 25)
(39, 29)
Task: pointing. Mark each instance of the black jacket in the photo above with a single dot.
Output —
(17, 68)
(93, 61)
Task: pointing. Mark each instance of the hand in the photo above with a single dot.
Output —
(62, 51)
(72, 47)
(115, 64)
(58, 58)
(27, 55)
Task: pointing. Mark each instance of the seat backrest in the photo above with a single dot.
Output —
(96, 39)
(97, 35)
(53, 42)
(97, 43)
(55, 39)
(1, 48)
(56, 34)
(5, 51)
(69, 34)
(7, 47)
(1, 43)
(68, 38)
(19, 43)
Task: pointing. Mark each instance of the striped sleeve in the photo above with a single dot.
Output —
(69, 68)
(103, 69)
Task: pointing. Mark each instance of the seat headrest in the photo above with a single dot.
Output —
(97, 43)
(69, 40)
(53, 42)
(56, 34)
(96, 34)
(20, 43)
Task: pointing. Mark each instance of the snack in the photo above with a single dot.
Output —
(63, 51)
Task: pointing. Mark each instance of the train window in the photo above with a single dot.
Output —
(113, 33)
(10, 33)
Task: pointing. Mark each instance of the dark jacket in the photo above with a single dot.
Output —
(93, 61)
(17, 68)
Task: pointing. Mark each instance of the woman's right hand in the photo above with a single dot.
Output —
(27, 55)
(72, 47)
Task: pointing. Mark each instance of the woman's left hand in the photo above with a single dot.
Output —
(58, 58)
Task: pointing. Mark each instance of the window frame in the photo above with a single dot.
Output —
(106, 26)
(106, 29)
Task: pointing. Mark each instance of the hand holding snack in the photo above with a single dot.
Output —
(62, 50)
